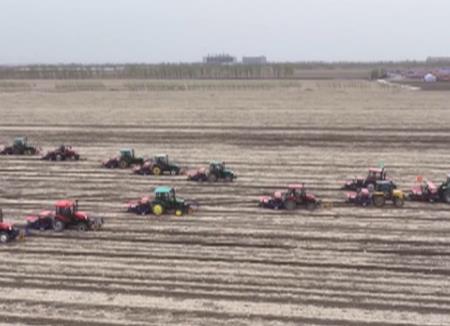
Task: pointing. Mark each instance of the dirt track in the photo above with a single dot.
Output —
(230, 262)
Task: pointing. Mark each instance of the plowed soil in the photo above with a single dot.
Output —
(230, 263)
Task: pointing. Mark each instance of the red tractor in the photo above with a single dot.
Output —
(66, 215)
(62, 153)
(295, 196)
(374, 175)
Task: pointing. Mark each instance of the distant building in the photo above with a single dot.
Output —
(219, 59)
(260, 60)
(438, 60)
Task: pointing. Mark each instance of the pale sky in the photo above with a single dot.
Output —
(152, 31)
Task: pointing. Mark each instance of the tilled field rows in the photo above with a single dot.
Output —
(230, 262)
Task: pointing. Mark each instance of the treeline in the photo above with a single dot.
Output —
(191, 71)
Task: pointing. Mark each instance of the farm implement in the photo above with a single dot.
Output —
(294, 197)
(62, 153)
(427, 191)
(163, 201)
(215, 172)
(125, 159)
(65, 216)
(20, 146)
(158, 165)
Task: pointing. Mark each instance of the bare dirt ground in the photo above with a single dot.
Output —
(230, 263)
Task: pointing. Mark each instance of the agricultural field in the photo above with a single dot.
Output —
(230, 263)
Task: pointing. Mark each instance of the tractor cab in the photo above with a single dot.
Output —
(217, 167)
(165, 194)
(127, 153)
(162, 159)
(376, 174)
(20, 142)
(66, 208)
(296, 190)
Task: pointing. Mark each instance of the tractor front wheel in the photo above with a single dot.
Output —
(379, 201)
(123, 164)
(229, 178)
(178, 212)
(311, 206)
(158, 210)
(58, 226)
(156, 170)
(4, 237)
(290, 205)
(447, 196)
(82, 227)
(399, 202)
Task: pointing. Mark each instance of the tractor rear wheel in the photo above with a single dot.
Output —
(59, 157)
(379, 201)
(156, 170)
(158, 210)
(4, 237)
(123, 164)
(58, 226)
(28, 152)
(290, 205)
(399, 202)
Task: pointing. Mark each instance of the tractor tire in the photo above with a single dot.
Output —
(59, 158)
(156, 170)
(123, 164)
(174, 172)
(178, 212)
(229, 178)
(311, 206)
(212, 178)
(379, 201)
(58, 226)
(76, 157)
(399, 202)
(290, 205)
(447, 196)
(158, 210)
(82, 227)
(28, 152)
(4, 237)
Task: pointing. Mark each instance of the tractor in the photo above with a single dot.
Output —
(62, 153)
(66, 215)
(215, 172)
(377, 195)
(427, 191)
(294, 197)
(20, 146)
(125, 159)
(164, 201)
(375, 174)
(160, 164)
(8, 232)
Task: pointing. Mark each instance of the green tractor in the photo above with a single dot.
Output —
(215, 172)
(126, 159)
(166, 201)
(20, 146)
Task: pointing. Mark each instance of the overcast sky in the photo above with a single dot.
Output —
(95, 31)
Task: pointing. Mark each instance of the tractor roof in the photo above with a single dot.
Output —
(378, 170)
(216, 162)
(126, 150)
(296, 186)
(64, 203)
(161, 155)
(163, 189)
